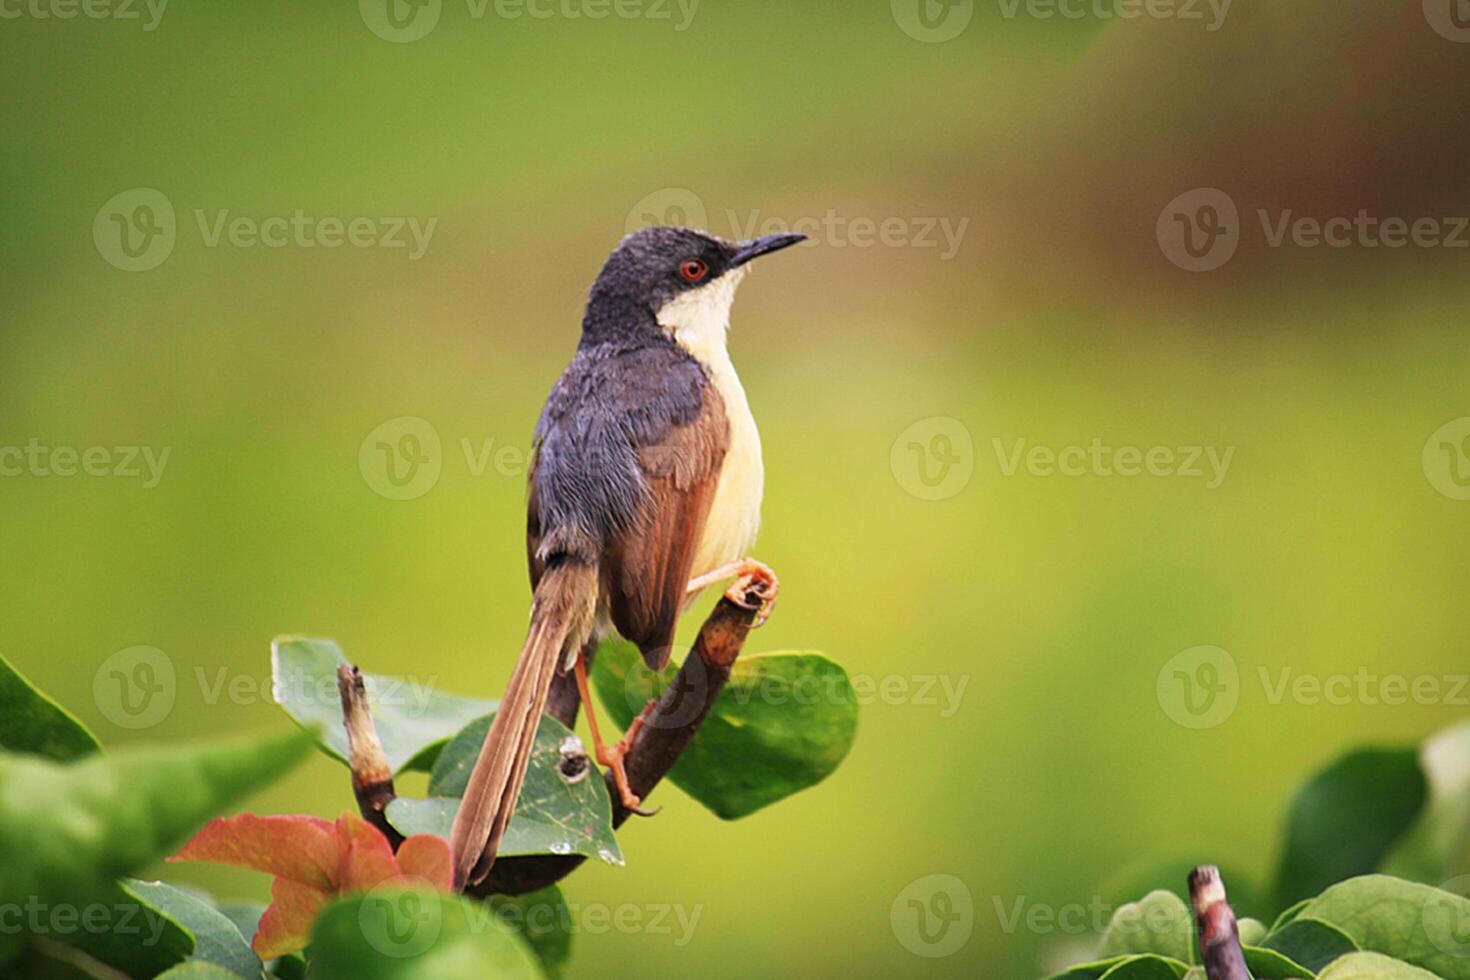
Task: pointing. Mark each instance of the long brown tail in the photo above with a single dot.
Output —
(561, 619)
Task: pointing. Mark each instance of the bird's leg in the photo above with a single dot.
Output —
(746, 568)
(613, 757)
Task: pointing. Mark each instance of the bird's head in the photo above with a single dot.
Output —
(682, 280)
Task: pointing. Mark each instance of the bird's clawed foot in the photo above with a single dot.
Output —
(613, 758)
(750, 576)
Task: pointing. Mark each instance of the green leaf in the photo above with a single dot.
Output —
(1437, 846)
(110, 925)
(1147, 968)
(783, 723)
(1267, 964)
(415, 935)
(216, 939)
(1289, 914)
(413, 717)
(1345, 819)
(1159, 923)
(67, 829)
(197, 970)
(543, 919)
(1373, 966)
(559, 812)
(245, 915)
(1089, 971)
(1252, 931)
(32, 722)
(1408, 921)
(1171, 874)
(1310, 942)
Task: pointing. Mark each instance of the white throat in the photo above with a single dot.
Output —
(699, 322)
(699, 319)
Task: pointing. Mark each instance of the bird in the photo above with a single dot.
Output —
(644, 489)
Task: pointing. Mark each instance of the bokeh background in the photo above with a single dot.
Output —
(1059, 145)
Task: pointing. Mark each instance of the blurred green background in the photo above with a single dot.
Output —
(1331, 544)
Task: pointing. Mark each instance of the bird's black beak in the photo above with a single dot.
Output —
(756, 247)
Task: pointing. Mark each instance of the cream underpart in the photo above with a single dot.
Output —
(699, 321)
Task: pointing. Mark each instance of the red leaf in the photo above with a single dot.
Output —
(427, 857)
(366, 856)
(314, 860)
(303, 849)
(286, 925)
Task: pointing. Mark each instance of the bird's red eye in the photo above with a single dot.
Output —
(693, 270)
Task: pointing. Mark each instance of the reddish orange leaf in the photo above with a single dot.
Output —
(304, 849)
(314, 860)
(286, 925)
(427, 857)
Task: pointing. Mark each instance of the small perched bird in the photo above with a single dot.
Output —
(645, 488)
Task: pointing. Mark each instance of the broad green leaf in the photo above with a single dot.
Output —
(1159, 923)
(216, 938)
(32, 722)
(1310, 942)
(1089, 971)
(415, 935)
(1267, 964)
(1289, 914)
(1420, 925)
(245, 915)
(1252, 931)
(783, 723)
(1147, 968)
(1373, 966)
(564, 806)
(1171, 874)
(111, 925)
(544, 920)
(1437, 846)
(1345, 819)
(413, 717)
(198, 970)
(68, 829)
